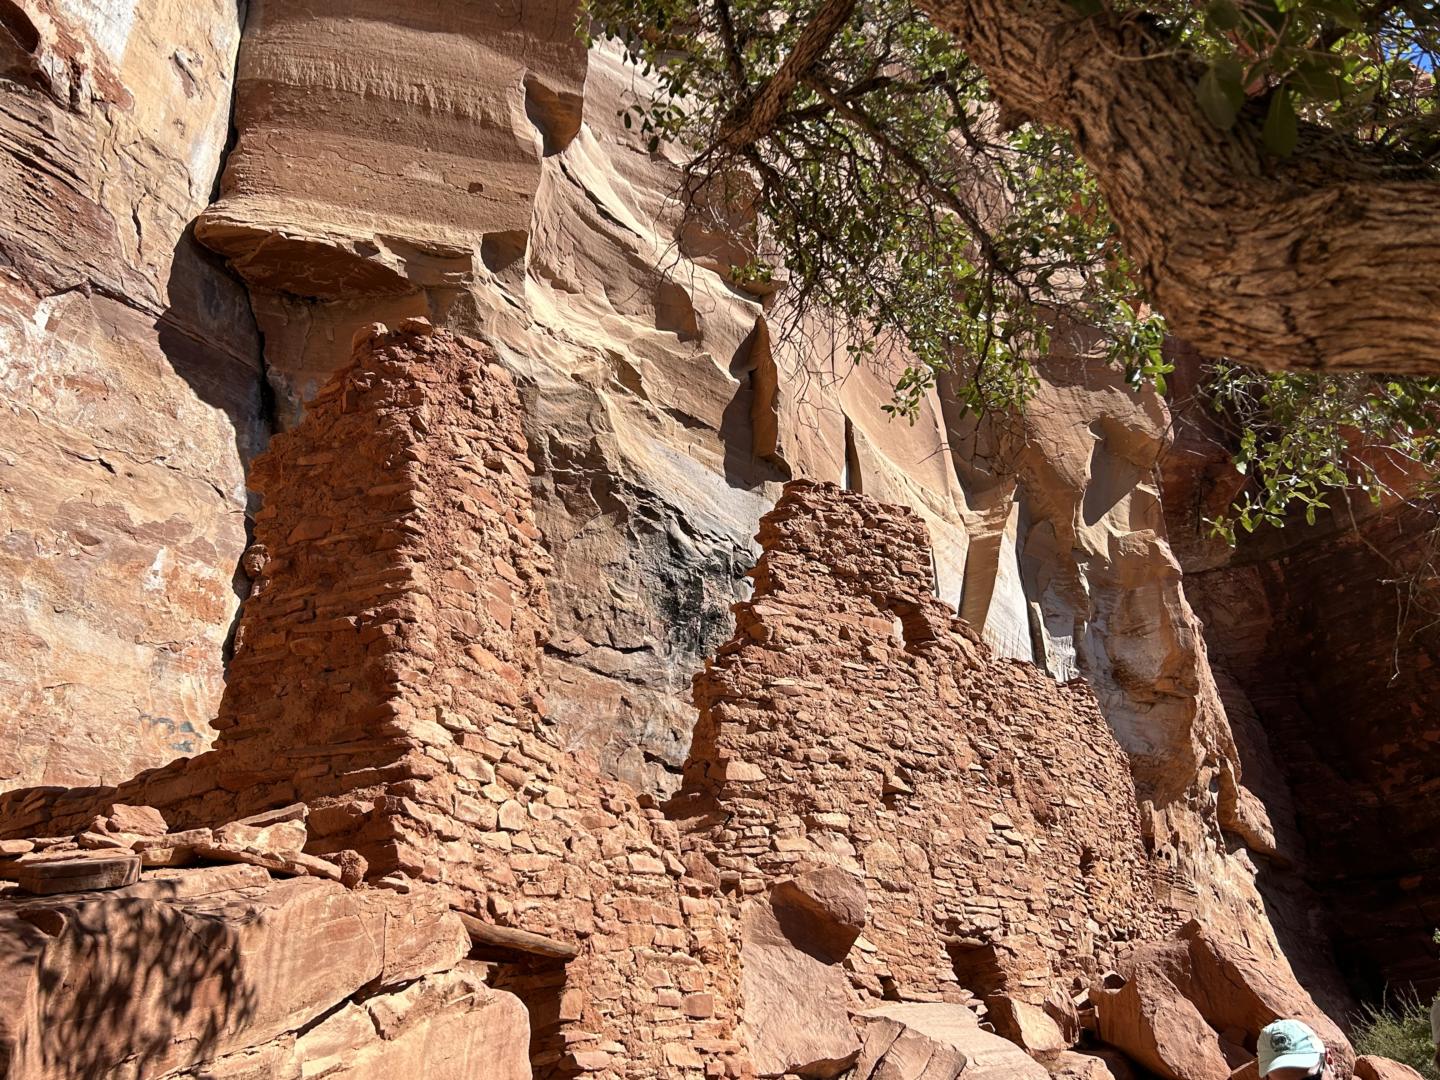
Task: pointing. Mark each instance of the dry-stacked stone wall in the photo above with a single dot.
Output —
(853, 721)
(387, 673)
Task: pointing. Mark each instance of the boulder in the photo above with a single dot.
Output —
(1099, 1064)
(1237, 990)
(439, 1027)
(1027, 1026)
(171, 973)
(795, 1011)
(92, 870)
(822, 910)
(136, 820)
(939, 1041)
(1192, 1006)
(1370, 1067)
(1063, 1009)
(1154, 1023)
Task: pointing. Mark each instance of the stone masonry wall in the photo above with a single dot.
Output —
(853, 721)
(387, 673)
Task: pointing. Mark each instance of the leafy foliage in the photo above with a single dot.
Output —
(891, 192)
(901, 201)
(1302, 440)
(1398, 1029)
(1360, 69)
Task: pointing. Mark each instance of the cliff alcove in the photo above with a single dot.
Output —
(449, 629)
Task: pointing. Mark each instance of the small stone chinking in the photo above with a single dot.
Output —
(885, 835)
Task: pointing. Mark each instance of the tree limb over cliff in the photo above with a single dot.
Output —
(1327, 259)
(955, 187)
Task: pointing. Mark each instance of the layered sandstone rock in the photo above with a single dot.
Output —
(150, 980)
(130, 386)
(1322, 647)
(492, 189)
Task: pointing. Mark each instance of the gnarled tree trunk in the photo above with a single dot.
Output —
(1329, 259)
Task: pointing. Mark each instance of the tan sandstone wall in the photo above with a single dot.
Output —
(130, 386)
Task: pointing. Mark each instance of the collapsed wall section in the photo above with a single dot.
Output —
(854, 722)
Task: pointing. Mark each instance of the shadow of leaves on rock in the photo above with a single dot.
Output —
(136, 988)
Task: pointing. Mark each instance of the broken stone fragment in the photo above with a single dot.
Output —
(1099, 1064)
(795, 1003)
(98, 870)
(293, 812)
(136, 820)
(1371, 1067)
(278, 839)
(172, 849)
(924, 1041)
(352, 865)
(822, 910)
(281, 862)
(105, 842)
(1027, 1026)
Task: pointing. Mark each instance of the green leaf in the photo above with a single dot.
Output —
(1318, 81)
(1224, 15)
(1087, 7)
(1220, 92)
(1281, 130)
(1343, 12)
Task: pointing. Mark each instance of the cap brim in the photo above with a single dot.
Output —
(1309, 1062)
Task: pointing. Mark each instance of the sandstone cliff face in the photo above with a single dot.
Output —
(129, 383)
(491, 189)
(1323, 665)
(663, 407)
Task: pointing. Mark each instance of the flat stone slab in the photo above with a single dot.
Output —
(44, 877)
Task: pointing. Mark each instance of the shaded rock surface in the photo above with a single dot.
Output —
(1322, 661)
(171, 972)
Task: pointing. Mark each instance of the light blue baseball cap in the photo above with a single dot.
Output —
(1289, 1044)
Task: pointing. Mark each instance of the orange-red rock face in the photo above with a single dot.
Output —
(639, 415)
(493, 190)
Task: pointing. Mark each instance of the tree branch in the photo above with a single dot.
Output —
(756, 115)
(1329, 259)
